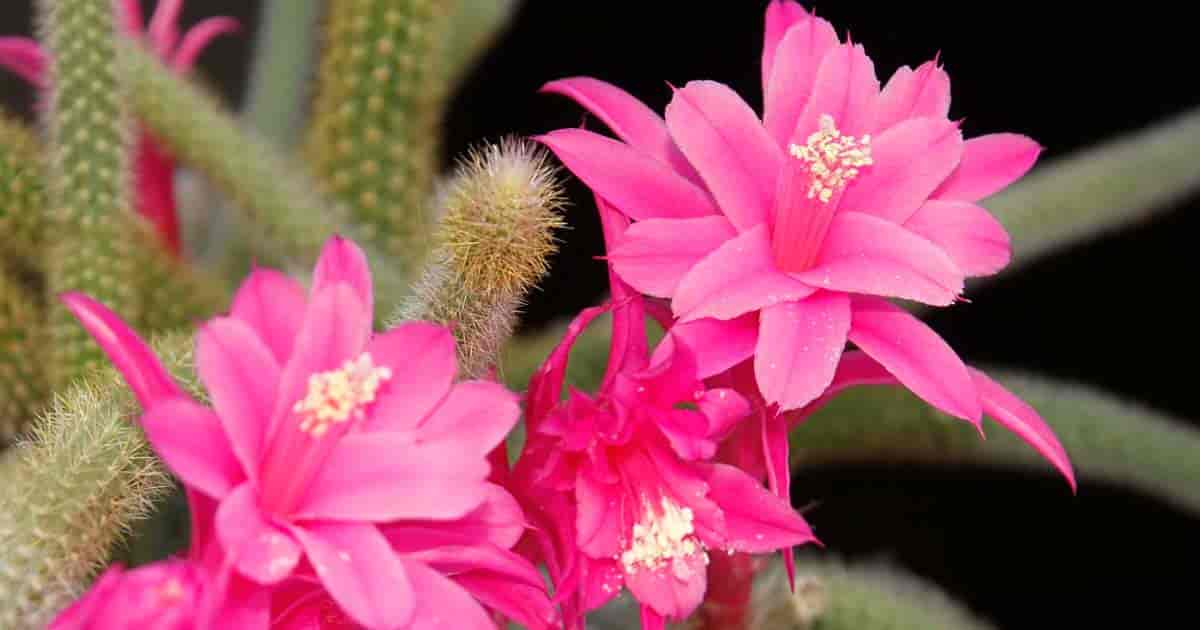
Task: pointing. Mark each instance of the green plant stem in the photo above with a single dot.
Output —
(284, 49)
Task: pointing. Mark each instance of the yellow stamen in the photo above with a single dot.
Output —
(833, 159)
(340, 395)
(663, 537)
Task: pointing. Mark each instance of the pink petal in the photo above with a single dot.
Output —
(440, 603)
(146, 377)
(367, 579)
(723, 138)
(241, 377)
(628, 117)
(190, 439)
(655, 254)
(916, 355)
(23, 57)
(199, 37)
(858, 368)
(526, 605)
(866, 254)
(273, 304)
(476, 416)
(737, 278)
(911, 160)
(717, 344)
(782, 15)
(793, 80)
(799, 344)
(969, 234)
(456, 559)
(421, 358)
(650, 619)
(914, 94)
(342, 261)
(723, 408)
(545, 386)
(497, 520)
(164, 26)
(638, 185)
(674, 590)
(775, 447)
(597, 517)
(1017, 416)
(846, 89)
(989, 164)
(131, 16)
(384, 477)
(261, 551)
(756, 521)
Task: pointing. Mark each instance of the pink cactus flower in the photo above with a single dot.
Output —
(771, 237)
(618, 487)
(319, 432)
(154, 167)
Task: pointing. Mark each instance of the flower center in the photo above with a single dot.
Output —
(340, 395)
(665, 534)
(832, 159)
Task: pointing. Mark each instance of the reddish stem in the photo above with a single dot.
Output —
(730, 582)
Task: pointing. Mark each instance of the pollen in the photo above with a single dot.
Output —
(833, 159)
(340, 395)
(664, 535)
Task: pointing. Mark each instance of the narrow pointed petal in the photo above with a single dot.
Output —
(421, 358)
(911, 160)
(241, 376)
(384, 477)
(440, 603)
(866, 254)
(989, 164)
(545, 386)
(638, 185)
(189, 438)
(858, 368)
(793, 79)
(131, 16)
(524, 604)
(717, 344)
(782, 15)
(799, 344)
(367, 579)
(628, 117)
(273, 304)
(779, 472)
(737, 278)
(655, 254)
(917, 356)
(22, 56)
(847, 91)
(969, 234)
(756, 521)
(723, 138)
(1017, 416)
(142, 371)
(342, 261)
(924, 92)
(724, 408)
(199, 37)
(261, 551)
(163, 30)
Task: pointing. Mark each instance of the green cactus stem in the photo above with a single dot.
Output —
(22, 195)
(22, 369)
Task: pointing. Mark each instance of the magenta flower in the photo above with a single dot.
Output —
(771, 237)
(617, 485)
(319, 431)
(154, 168)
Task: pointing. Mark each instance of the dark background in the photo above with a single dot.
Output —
(1019, 550)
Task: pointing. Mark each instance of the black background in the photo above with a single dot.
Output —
(1020, 550)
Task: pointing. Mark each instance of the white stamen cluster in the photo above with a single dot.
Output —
(833, 159)
(661, 537)
(340, 395)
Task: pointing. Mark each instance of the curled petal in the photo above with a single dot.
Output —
(199, 37)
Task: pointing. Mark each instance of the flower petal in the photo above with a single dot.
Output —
(723, 408)
(866, 254)
(421, 358)
(440, 603)
(199, 37)
(969, 234)
(914, 94)
(524, 604)
(916, 355)
(189, 438)
(241, 377)
(1017, 416)
(793, 79)
(655, 254)
(384, 476)
(597, 517)
(799, 344)
(910, 161)
(342, 261)
(638, 185)
(23, 57)
(723, 138)
(782, 15)
(673, 590)
(738, 277)
(367, 579)
(989, 164)
(273, 304)
(476, 416)
(846, 89)
(756, 521)
(261, 551)
(716, 344)
(628, 117)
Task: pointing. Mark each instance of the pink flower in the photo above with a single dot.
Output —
(319, 431)
(617, 486)
(771, 237)
(154, 167)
